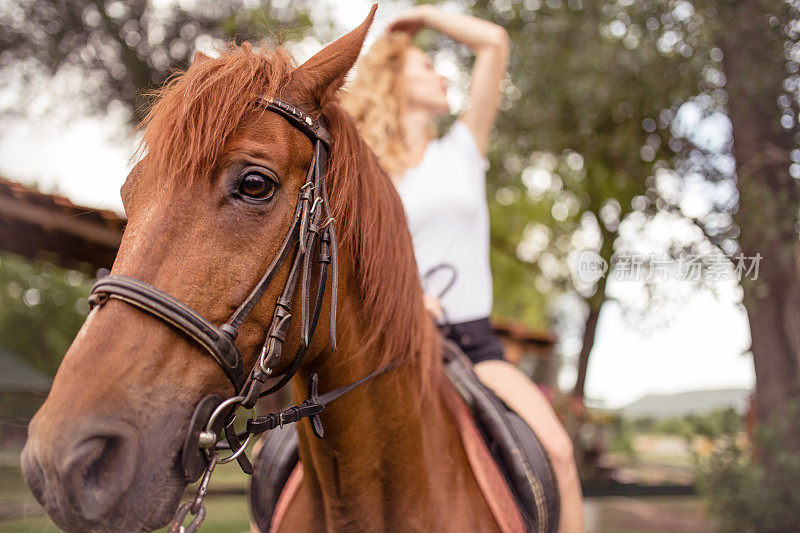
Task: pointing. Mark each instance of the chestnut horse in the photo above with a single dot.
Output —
(104, 451)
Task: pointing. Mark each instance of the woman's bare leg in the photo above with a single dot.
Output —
(523, 396)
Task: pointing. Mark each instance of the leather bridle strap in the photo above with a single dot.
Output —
(236, 320)
(217, 342)
(298, 360)
(311, 407)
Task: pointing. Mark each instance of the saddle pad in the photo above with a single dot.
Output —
(490, 480)
(286, 496)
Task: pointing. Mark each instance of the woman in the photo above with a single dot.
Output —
(395, 98)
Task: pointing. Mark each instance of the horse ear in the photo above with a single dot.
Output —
(199, 59)
(323, 74)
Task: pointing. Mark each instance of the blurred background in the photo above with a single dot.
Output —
(644, 192)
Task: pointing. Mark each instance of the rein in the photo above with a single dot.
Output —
(311, 229)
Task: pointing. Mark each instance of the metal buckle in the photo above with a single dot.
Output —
(317, 201)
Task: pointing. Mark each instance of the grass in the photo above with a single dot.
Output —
(226, 514)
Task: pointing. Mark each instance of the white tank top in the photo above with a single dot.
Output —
(445, 203)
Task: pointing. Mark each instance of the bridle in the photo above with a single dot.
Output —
(311, 224)
(311, 229)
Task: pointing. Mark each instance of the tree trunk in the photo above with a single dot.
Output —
(774, 311)
(769, 197)
(586, 348)
(589, 332)
(595, 302)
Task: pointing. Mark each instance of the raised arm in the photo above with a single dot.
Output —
(491, 46)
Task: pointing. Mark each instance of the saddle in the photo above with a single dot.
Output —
(517, 452)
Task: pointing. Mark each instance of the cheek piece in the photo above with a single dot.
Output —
(211, 430)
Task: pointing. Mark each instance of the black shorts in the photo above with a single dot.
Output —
(476, 339)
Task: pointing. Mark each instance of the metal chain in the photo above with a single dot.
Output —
(195, 507)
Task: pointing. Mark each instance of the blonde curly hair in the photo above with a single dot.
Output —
(374, 99)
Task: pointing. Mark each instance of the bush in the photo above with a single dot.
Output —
(622, 439)
(756, 488)
(42, 307)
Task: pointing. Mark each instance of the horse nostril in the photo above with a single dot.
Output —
(96, 472)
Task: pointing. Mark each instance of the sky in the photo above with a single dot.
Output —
(703, 346)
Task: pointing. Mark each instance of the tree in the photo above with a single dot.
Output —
(759, 40)
(605, 85)
(586, 126)
(119, 50)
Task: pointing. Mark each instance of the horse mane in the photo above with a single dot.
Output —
(374, 233)
(185, 132)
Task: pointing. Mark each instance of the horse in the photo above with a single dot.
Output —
(208, 205)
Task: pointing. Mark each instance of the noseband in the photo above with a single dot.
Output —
(311, 229)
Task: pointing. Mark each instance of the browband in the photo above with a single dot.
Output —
(313, 129)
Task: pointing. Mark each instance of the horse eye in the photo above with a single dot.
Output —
(256, 186)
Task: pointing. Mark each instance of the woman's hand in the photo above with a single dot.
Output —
(410, 21)
(434, 307)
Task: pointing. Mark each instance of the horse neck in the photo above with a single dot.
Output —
(381, 452)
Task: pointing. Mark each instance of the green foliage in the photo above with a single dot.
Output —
(682, 427)
(716, 424)
(622, 437)
(586, 120)
(42, 306)
(643, 424)
(757, 489)
(516, 294)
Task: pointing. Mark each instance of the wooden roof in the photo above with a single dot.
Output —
(46, 226)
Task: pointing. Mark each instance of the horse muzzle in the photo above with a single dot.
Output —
(89, 477)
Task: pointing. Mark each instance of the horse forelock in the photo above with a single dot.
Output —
(198, 111)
